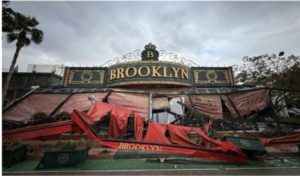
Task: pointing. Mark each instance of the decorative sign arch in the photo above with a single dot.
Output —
(148, 67)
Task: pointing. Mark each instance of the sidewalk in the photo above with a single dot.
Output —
(138, 166)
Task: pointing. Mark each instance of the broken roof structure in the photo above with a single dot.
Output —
(128, 101)
(140, 85)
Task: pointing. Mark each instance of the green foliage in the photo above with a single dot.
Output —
(291, 120)
(22, 29)
(70, 145)
(40, 118)
(8, 21)
(272, 131)
(62, 116)
(11, 144)
(196, 119)
(270, 70)
(273, 71)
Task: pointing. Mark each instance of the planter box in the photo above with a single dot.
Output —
(248, 144)
(11, 157)
(52, 159)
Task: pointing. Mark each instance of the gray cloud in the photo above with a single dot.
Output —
(209, 33)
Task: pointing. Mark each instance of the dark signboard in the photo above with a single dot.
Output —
(215, 76)
(85, 77)
(148, 73)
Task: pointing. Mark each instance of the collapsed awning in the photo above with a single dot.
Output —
(118, 119)
(239, 103)
(244, 103)
(56, 103)
(210, 105)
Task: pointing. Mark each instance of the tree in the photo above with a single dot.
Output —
(19, 28)
(7, 17)
(280, 73)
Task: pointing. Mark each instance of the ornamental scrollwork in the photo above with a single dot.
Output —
(163, 56)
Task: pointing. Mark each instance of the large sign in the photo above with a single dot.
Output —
(149, 72)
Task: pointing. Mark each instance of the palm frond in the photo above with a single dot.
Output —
(10, 37)
(21, 21)
(23, 34)
(7, 26)
(5, 3)
(37, 36)
(7, 11)
(27, 42)
(32, 22)
(20, 27)
(8, 19)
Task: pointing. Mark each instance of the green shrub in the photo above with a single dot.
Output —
(70, 145)
(11, 144)
(62, 116)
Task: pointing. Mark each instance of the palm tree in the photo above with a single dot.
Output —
(8, 21)
(22, 29)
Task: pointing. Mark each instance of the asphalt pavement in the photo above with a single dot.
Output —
(227, 171)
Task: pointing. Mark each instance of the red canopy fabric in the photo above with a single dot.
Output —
(246, 102)
(210, 155)
(118, 122)
(179, 135)
(134, 101)
(99, 110)
(156, 133)
(138, 126)
(85, 118)
(210, 105)
(118, 119)
(221, 145)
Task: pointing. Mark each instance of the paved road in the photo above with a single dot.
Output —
(227, 171)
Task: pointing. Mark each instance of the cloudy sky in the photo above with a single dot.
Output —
(209, 33)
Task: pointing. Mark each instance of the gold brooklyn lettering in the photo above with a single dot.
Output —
(149, 71)
(143, 147)
(133, 74)
(140, 72)
(113, 75)
(155, 71)
(120, 73)
(175, 70)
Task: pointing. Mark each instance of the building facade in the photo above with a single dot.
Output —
(160, 90)
(23, 82)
